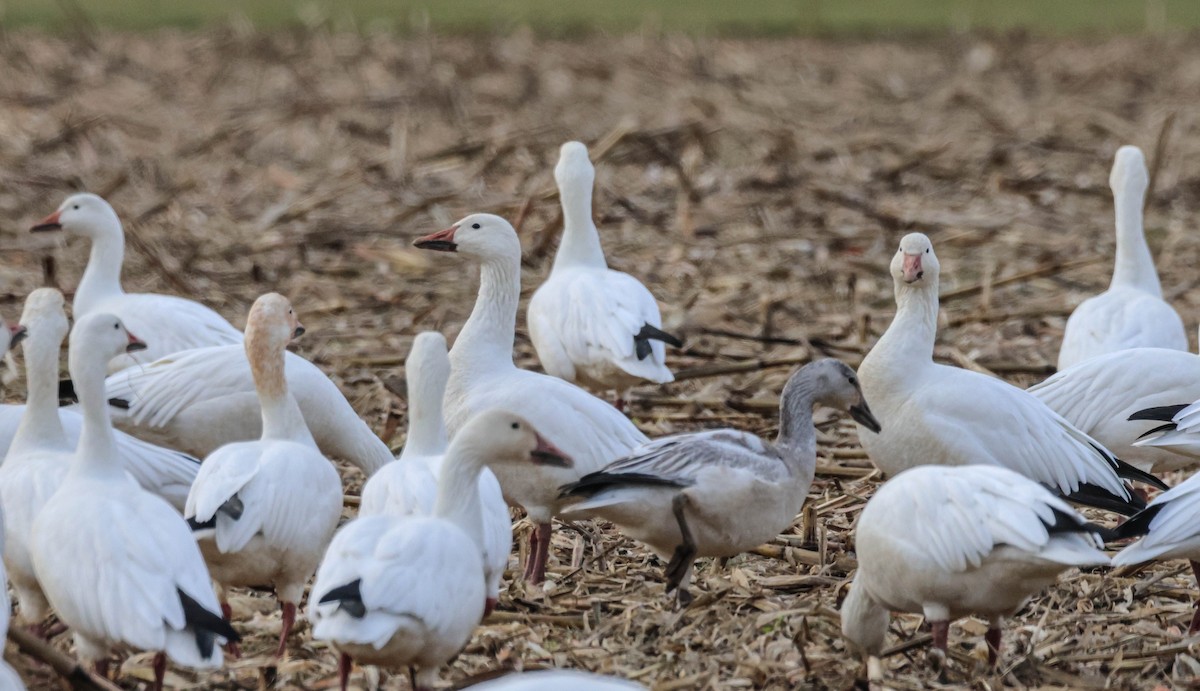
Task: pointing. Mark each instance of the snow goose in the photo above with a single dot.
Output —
(951, 541)
(9, 679)
(1118, 398)
(590, 324)
(264, 511)
(200, 399)
(1131, 313)
(933, 414)
(718, 493)
(117, 563)
(1170, 530)
(408, 591)
(483, 376)
(408, 486)
(170, 323)
(556, 680)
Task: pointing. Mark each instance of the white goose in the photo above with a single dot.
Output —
(198, 400)
(264, 511)
(718, 493)
(117, 563)
(408, 486)
(169, 323)
(408, 591)
(556, 680)
(9, 679)
(1119, 398)
(590, 324)
(951, 541)
(37, 459)
(933, 414)
(1131, 313)
(483, 376)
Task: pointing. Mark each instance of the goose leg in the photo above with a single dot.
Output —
(685, 553)
(101, 666)
(233, 650)
(345, 664)
(992, 638)
(941, 636)
(539, 554)
(289, 620)
(160, 670)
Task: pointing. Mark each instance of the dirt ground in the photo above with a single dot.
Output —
(758, 188)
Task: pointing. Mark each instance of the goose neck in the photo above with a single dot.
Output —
(281, 416)
(102, 277)
(797, 438)
(458, 494)
(580, 245)
(426, 428)
(1134, 265)
(40, 423)
(486, 340)
(97, 450)
(911, 335)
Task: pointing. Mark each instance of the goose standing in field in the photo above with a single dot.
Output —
(264, 511)
(1131, 313)
(9, 679)
(947, 542)
(169, 323)
(199, 400)
(933, 414)
(589, 324)
(408, 591)
(117, 563)
(1119, 398)
(40, 453)
(1170, 530)
(718, 493)
(483, 376)
(556, 680)
(408, 485)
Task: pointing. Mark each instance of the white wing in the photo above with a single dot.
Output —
(1117, 319)
(681, 457)
(167, 324)
(405, 487)
(588, 317)
(412, 572)
(1098, 395)
(1173, 530)
(984, 420)
(956, 516)
(113, 566)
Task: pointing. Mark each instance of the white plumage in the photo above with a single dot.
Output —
(589, 323)
(556, 680)
(408, 485)
(951, 541)
(117, 563)
(941, 415)
(1131, 313)
(264, 511)
(483, 376)
(408, 591)
(168, 323)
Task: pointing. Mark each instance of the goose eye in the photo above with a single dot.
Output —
(853, 381)
(926, 250)
(516, 425)
(76, 207)
(116, 326)
(475, 226)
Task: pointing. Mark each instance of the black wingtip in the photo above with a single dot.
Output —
(348, 597)
(594, 483)
(206, 624)
(1129, 472)
(1138, 524)
(1067, 523)
(1165, 427)
(1162, 413)
(66, 392)
(119, 403)
(202, 525)
(1100, 498)
(649, 333)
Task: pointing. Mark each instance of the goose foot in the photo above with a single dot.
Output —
(941, 636)
(684, 598)
(233, 650)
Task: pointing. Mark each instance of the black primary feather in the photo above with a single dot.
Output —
(1100, 498)
(1162, 413)
(348, 597)
(233, 507)
(1067, 523)
(1128, 472)
(1139, 523)
(207, 625)
(641, 342)
(1165, 427)
(119, 403)
(594, 483)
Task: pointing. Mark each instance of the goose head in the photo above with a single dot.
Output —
(1129, 174)
(44, 319)
(82, 214)
(831, 383)
(498, 436)
(273, 321)
(915, 262)
(478, 236)
(574, 172)
(102, 336)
